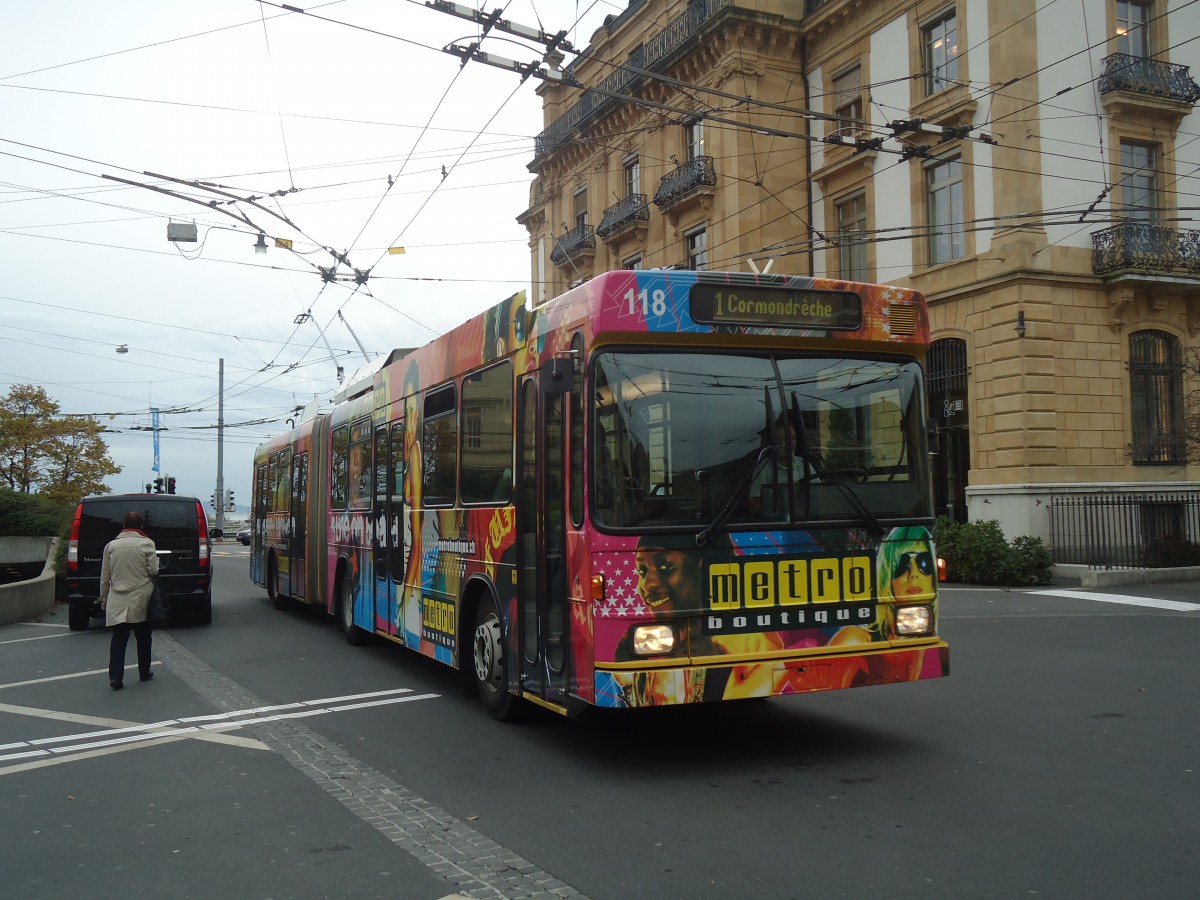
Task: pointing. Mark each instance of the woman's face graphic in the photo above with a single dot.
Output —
(667, 579)
(913, 574)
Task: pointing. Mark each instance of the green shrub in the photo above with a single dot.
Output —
(977, 553)
(30, 515)
(1030, 561)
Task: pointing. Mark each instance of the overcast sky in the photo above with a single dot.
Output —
(312, 114)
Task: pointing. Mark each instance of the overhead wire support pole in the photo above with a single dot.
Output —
(219, 494)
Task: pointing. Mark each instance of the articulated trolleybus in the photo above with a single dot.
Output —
(662, 487)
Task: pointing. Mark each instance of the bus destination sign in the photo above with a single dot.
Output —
(719, 304)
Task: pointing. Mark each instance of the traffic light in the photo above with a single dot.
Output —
(149, 488)
(158, 485)
(170, 485)
(229, 499)
(212, 499)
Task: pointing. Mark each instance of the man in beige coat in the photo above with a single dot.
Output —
(127, 577)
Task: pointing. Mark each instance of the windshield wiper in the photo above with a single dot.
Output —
(743, 486)
(736, 495)
(812, 458)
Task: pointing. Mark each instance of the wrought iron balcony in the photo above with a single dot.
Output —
(579, 241)
(623, 215)
(1148, 77)
(1145, 247)
(684, 180)
(655, 55)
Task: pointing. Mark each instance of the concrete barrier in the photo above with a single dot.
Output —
(1099, 578)
(24, 600)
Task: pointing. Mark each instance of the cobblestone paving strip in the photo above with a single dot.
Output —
(477, 866)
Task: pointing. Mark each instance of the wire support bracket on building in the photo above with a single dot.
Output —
(492, 20)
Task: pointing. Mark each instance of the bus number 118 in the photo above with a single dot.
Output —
(647, 303)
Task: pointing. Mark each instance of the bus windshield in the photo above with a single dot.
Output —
(683, 438)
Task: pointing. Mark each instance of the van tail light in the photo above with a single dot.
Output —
(202, 530)
(73, 543)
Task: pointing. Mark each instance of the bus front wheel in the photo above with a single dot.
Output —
(491, 662)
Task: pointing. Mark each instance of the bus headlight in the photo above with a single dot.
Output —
(914, 620)
(653, 640)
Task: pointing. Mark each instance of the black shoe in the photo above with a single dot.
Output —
(146, 677)
(116, 685)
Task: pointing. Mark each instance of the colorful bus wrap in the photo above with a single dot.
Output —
(659, 488)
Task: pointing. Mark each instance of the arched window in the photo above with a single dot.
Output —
(1156, 398)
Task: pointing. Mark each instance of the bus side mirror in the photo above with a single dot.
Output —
(931, 429)
(558, 375)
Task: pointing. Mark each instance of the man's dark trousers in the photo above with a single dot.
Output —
(120, 640)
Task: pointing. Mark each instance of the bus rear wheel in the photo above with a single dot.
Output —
(355, 636)
(491, 662)
(278, 600)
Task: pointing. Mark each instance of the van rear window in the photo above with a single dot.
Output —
(102, 519)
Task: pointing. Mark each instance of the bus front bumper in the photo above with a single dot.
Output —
(768, 678)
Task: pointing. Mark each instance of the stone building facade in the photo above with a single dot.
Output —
(1031, 167)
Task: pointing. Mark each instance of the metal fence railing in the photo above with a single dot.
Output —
(1119, 530)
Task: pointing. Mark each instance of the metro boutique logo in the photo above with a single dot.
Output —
(791, 592)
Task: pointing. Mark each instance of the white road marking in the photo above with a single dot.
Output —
(40, 637)
(88, 673)
(108, 751)
(81, 719)
(216, 721)
(1126, 599)
(213, 717)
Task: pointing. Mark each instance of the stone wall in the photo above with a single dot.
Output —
(25, 599)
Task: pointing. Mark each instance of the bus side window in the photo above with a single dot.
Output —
(439, 447)
(337, 476)
(486, 440)
(396, 453)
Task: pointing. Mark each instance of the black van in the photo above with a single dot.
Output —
(179, 529)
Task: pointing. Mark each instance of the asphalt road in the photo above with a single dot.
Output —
(1058, 760)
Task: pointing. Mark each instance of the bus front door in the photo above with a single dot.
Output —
(541, 529)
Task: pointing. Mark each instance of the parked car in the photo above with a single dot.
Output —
(179, 529)
(243, 535)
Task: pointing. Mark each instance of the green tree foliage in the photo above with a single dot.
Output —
(977, 553)
(31, 515)
(62, 457)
